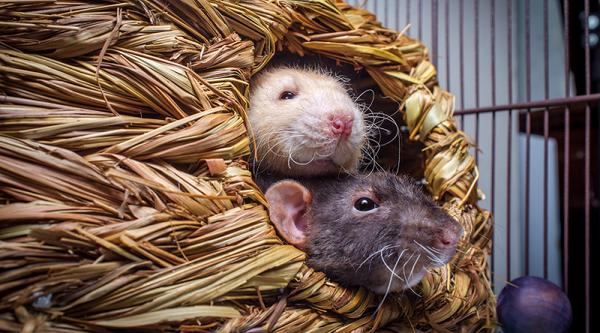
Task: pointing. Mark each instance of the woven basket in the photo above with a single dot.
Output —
(127, 203)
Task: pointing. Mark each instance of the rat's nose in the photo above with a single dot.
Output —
(447, 238)
(341, 125)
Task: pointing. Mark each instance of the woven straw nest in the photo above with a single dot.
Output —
(126, 201)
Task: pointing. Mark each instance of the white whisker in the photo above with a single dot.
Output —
(389, 268)
(387, 291)
(437, 259)
(375, 253)
(411, 273)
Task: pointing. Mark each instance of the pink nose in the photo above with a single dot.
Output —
(447, 239)
(341, 125)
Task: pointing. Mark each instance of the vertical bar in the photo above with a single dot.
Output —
(508, 160)
(407, 11)
(447, 45)
(587, 165)
(420, 9)
(587, 216)
(493, 156)
(527, 169)
(462, 61)
(398, 16)
(545, 215)
(434, 33)
(386, 15)
(527, 128)
(476, 9)
(566, 170)
(546, 129)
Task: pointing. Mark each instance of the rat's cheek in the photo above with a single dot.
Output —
(416, 278)
(380, 280)
(349, 162)
(358, 137)
(359, 122)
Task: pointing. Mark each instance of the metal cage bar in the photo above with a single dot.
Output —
(515, 90)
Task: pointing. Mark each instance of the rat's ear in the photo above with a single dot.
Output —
(288, 203)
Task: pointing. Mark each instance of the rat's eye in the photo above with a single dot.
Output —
(287, 95)
(365, 204)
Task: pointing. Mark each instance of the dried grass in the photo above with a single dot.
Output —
(126, 202)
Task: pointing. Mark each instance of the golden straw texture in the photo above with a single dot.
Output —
(126, 199)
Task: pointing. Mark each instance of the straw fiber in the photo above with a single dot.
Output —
(127, 203)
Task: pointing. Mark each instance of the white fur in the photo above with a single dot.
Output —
(293, 136)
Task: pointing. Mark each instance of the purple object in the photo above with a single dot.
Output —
(532, 304)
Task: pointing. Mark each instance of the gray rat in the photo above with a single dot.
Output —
(304, 122)
(358, 230)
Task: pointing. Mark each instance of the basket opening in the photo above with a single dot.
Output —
(396, 152)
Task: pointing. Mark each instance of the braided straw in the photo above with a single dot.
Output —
(127, 203)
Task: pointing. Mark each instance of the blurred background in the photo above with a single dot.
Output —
(526, 80)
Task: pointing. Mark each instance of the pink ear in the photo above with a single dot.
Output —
(288, 203)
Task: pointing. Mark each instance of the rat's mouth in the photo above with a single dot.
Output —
(410, 271)
(314, 167)
(398, 281)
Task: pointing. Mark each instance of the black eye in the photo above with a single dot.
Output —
(365, 204)
(287, 95)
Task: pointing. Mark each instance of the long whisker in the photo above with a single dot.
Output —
(410, 276)
(375, 253)
(372, 97)
(411, 273)
(387, 291)
(389, 268)
(406, 279)
(434, 249)
(370, 256)
(436, 258)
(376, 120)
(404, 267)
(428, 251)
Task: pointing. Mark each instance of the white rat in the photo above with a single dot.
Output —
(304, 123)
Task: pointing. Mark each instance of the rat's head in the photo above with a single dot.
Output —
(305, 122)
(359, 231)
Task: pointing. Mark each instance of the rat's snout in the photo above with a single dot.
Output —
(445, 231)
(340, 124)
(447, 238)
(448, 235)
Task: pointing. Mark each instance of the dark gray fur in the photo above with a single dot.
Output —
(339, 241)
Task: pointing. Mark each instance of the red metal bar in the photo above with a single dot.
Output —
(476, 9)
(546, 130)
(566, 151)
(493, 156)
(447, 45)
(587, 218)
(566, 199)
(509, 157)
(533, 105)
(527, 169)
(546, 53)
(545, 214)
(587, 166)
(434, 33)
(462, 61)
(527, 126)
